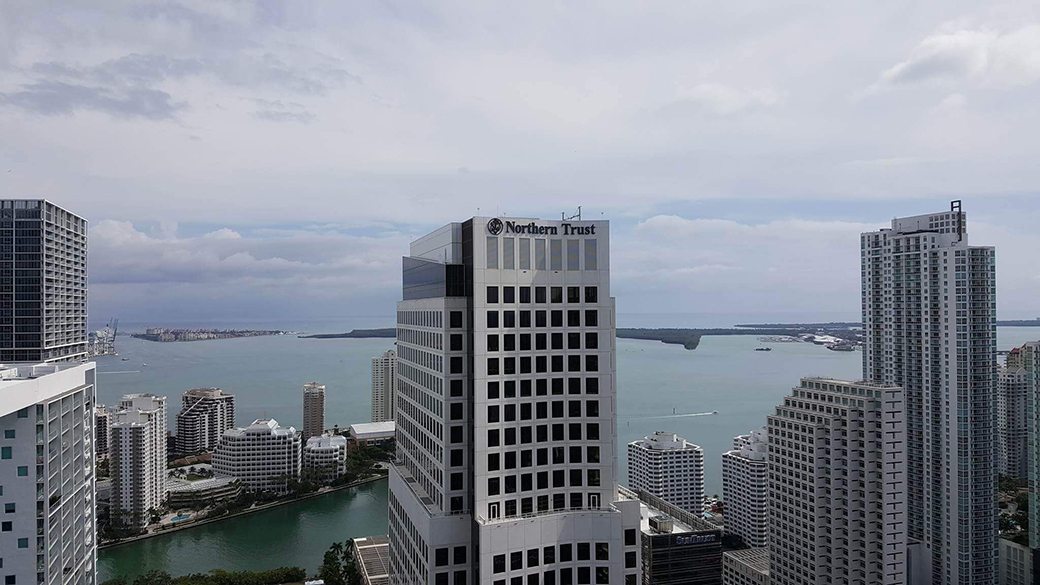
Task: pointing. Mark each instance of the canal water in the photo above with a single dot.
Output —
(660, 387)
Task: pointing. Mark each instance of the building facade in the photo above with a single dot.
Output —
(669, 467)
(205, 414)
(505, 410)
(264, 456)
(1014, 392)
(837, 486)
(1029, 362)
(929, 306)
(45, 267)
(47, 529)
(384, 386)
(325, 457)
(102, 429)
(749, 566)
(1015, 564)
(138, 459)
(313, 410)
(745, 489)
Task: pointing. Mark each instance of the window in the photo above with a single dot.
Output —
(556, 320)
(5, 453)
(494, 487)
(574, 340)
(492, 366)
(592, 363)
(492, 342)
(455, 365)
(591, 258)
(492, 319)
(565, 553)
(492, 390)
(456, 434)
(539, 254)
(460, 555)
(23, 413)
(573, 254)
(556, 294)
(6, 526)
(455, 319)
(516, 561)
(509, 318)
(591, 340)
(8, 433)
(584, 551)
(555, 255)
(591, 294)
(441, 578)
(9, 508)
(460, 578)
(539, 294)
(508, 294)
(573, 294)
(539, 319)
(591, 318)
(492, 252)
(525, 294)
(492, 294)
(524, 245)
(549, 555)
(574, 318)
(441, 557)
(508, 255)
(498, 563)
(592, 408)
(23, 543)
(456, 342)
(602, 551)
(630, 536)
(532, 557)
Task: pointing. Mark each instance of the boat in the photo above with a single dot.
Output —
(125, 359)
(841, 347)
(763, 349)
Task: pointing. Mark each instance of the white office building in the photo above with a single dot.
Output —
(313, 409)
(745, 489)
(102, 429)
(669, 467)
(506, 440)
(325, 457)
(384, 386)
(264, 456)
(837, 486)
(1014, 392)
(47, 528)
(138, 458)
(929, 305)
(205, 414)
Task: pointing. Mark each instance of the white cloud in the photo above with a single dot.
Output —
(724, 100)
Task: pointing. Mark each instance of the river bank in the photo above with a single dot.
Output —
(253, 510)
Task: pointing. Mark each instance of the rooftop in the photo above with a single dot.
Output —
(662, 440)
(174, 484)
(363, 430)
(754, 558)
(373, 559)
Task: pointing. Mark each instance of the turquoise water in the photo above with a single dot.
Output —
(266, 374)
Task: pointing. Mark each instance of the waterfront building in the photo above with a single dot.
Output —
(677, 546)
(47, 528)
(313, 409)
(325, 457)
(264, 456)
(1028, 360)
(372, 554)
(102, 429)
(384, 386)
(669, 467)
(44, 270)
(205, 414)
(506, 460)
(749, 566)
(138, 459)
(379, 433)
(1015, 386)
(837, 491)
(745, 488)
(199, 493)
(1015, 564)
(929, 306)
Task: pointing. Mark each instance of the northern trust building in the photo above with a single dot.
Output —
(506, 466)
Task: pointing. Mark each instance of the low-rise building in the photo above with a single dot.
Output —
(749, 566)
(677, 546)
(376, 433)
(325, 457)
(202, 492)
(264, 456)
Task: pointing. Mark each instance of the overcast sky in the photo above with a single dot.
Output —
(273, 160)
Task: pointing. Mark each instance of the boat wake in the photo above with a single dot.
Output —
(123, 372)
(685, 415)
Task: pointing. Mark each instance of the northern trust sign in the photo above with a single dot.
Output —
(496, 226)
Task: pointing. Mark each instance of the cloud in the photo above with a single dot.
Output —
(723, 100)
(983, 55)
(54, 98)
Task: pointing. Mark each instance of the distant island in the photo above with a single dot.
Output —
(354, 334)
(856, 325)
(164, 334)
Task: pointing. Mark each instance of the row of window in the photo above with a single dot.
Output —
(508, 484)
(559, 457)
(541, 364)
(516, 254)
(542, 341)
(510, 294)
(549, 556)
(508, 436)
(511, 319)
(508, 388)
(508, 412)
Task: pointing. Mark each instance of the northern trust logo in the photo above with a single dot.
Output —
(496, 226)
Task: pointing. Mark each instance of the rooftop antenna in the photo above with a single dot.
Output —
(955, 206)
(577, 216)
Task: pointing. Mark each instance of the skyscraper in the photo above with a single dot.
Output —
(744, 488)
(47, 473)
(506, 449)
(1015, 387)
(138, 450)
(44, 266)
(205, 414)
(669, 467)
(384, 386)
(929, 304)
(1029, 362)
(837, 493)
(313, 410)
(102, 429)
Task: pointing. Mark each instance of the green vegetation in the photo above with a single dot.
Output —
(339, 567)
(269, 577)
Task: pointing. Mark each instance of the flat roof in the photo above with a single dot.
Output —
(754, 558)
(360, 430)
(373, 559)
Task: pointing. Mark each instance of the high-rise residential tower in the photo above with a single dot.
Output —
(1014, 391)
(929, 305)
(138, 452)
(47, 473)
(313, 410)
(506, 448)
(1029, 362)
(669, 467)
(744, 488)
(384, 386)
(837, 491)
(205, 414)
(102, 430)
(264, 456)
(44, 267)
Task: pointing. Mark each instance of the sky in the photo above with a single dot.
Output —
(270, 160)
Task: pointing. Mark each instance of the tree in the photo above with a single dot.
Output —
(154, 577)
(331, 571)
(338, 566)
